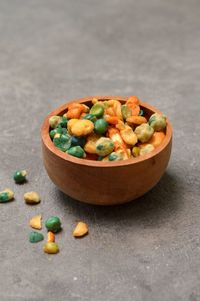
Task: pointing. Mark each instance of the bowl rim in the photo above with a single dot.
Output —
(92, 163)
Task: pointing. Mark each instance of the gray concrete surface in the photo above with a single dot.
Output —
(53, 51)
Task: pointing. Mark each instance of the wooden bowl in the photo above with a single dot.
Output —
(104, 183)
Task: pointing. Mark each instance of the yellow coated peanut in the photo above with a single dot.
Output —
(128, 135)
(115, 106)
(57, 135)
(86, 109)
(70, 123)
(51, 248)
(82, 128)
(120, 126)
(157, 139)
(146, 149)
(36, 222)
(32, 197)
(129, 153)
(105, 159)
(80, 230)
(94, 100)
(100, 102)
(117, 109)
(90, 146)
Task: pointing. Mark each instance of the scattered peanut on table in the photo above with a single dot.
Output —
(51, 248)
(50, 237)
(32, 198)
(53, 224)
(80, 230)
(36, 222)
(35, 237)
(6, 195)
(20, 176)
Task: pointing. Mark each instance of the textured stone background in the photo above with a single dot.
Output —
(52, 51)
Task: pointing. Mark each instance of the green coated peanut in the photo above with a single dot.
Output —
(136, 151)
(114, 156)
(54, 121)
(100, 126)
(157, 122)
(63, 122)
(90, 117)
(144, 132)
(76, 151)
(6, 195)
(97, 110)
(20, 176)
(53, 224)
(78, 141)
(104, 146)
(105, 104)
(58, 130)
(62, 141)
(35, 237)
(146, 149)
(126, 111)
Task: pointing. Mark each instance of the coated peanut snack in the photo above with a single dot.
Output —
(6, 195)
(80, 230)
(31, 197)
(53, 223)
(20, 176)
(36, 222)
(108, 130)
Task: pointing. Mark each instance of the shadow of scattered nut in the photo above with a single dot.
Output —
(154, 208)
(22, 183)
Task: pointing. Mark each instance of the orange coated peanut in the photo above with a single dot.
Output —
(119, 144)
(133, 99)
(134, 108)
(110, 111)
(112, 119)
(50, 237)
(136, 120)
(157, 139)
(74, 113)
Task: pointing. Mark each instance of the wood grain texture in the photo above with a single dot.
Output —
(105, 183)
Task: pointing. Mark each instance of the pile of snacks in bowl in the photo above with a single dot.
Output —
(108, 130)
